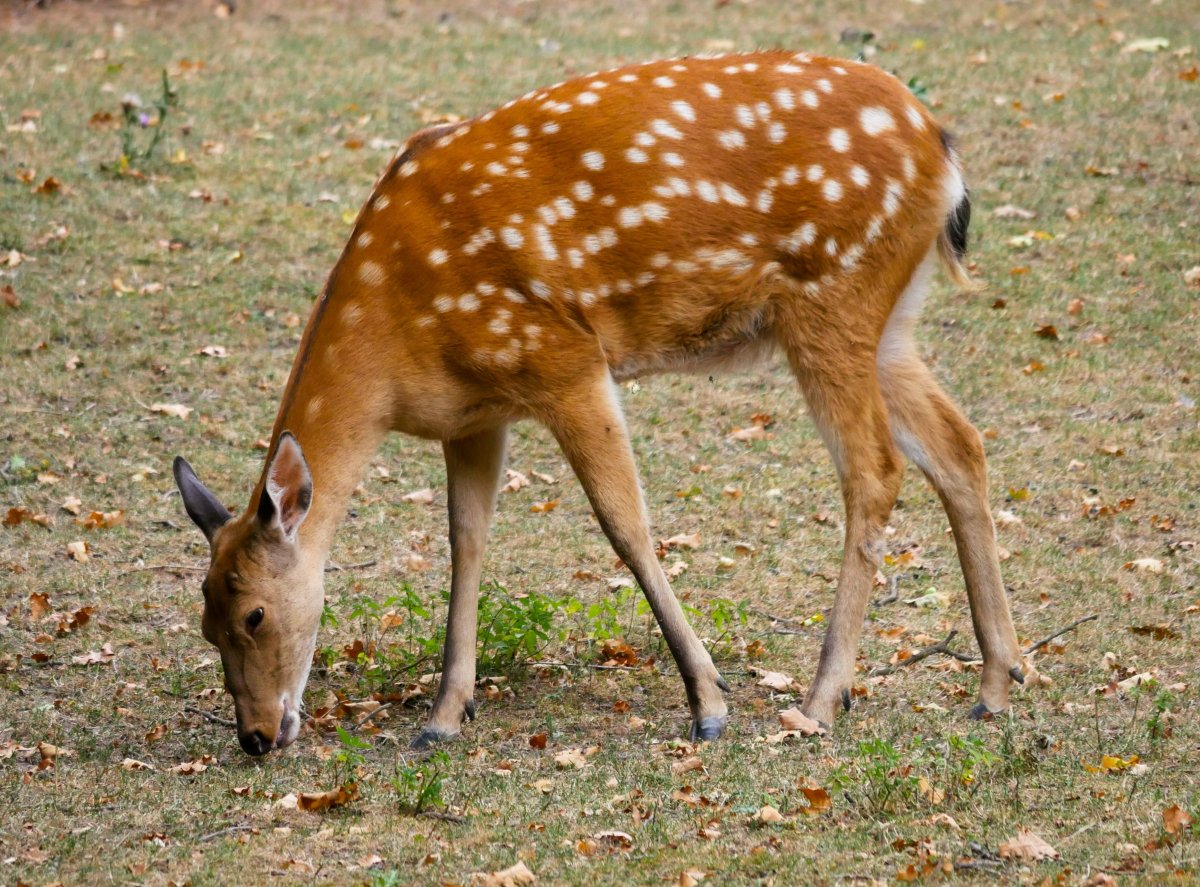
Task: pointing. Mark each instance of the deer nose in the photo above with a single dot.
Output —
(255, 743)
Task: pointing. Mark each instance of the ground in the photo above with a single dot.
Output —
(181, 276)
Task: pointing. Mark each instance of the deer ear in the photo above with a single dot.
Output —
(287, 493)
(206, 510)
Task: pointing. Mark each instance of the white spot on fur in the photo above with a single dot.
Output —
(776, 133)
(636, 155)
(851, 256)
(512, 238)
(593, 160)
(539, 289)
(731, 139)
(874, 229)
(550, 127)
(790, 175)
(891, 198)
(789, 69)
(684, 110)
(438, 257)
(745, 116)
(500, 323)
(408, 168)
(763, 201)
(468, 302)
(520, 131)
(654, 212)
(371, 273)
(629, 217)
(815, 173)
(587, 98)
(910, 168)
(711, 90)
(860, 176)
(497, 169)
(352, 314)
(832, 189)
(628, 78)
(809, 98)
(785, 99)
(839, 140)
(825, 86)
(582, 191)
(831, 246)
(608, 237)
(732, 195)
(679, 187)
(665, 82)
(575, 258)
(381, 201)
(670, 158)
(915, 117)
(665, 129)
(876, 120)
(545, 242)
(564, 207)
(805, 235)
(365, 239)
(644, 139)
(707, 191)
(443, 304)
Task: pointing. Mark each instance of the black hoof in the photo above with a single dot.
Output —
(1016, 674)
(723, 684)
(980, 713)
(846, 700)
(469, 708)
(428, 738)
(707, 729)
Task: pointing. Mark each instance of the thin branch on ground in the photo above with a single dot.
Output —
(331, 567)
(942, 646)
(170, 568)
(209, 716)
(1060, 633)
(369, 716)
(228, 830)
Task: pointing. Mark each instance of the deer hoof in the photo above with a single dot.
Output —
(846, 700)
(1016, 674)
(980, 713)
(430, 737)
(723, 684)
(707, 729)
(469, 709)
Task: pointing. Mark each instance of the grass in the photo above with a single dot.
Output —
(223, 237)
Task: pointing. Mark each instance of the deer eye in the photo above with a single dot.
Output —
(254, 618)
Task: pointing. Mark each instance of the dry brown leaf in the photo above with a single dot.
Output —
(687, 765)
(516, 480)
(1176, 819)
(419, 497)
(102, 520)
(178, 410)
(1028, 847)
(767, 814)
(39, 605)
(775, 680)
(1008, 211)
(620, 840)
(513, 876)
(20, 514)
(543, 507)
(135, 764)
(684, 540)
(1145, 564)
(315, 802)
(191, 768)
(570, 758)
(79, 551)
(96, 657)
(794, 720)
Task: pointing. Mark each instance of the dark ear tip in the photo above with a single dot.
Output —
(180, 468)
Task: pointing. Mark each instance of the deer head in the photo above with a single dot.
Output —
(263, 595)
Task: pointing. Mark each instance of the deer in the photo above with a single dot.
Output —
(690, 214)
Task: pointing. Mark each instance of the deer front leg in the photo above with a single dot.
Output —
(473, 474)
(850, 413)
(590, 428)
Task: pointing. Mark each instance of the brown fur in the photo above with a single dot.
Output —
(513, 265)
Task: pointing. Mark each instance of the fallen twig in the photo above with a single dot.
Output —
(170, 568)
(1060, 633)
(209, 716)
(228, 830)
(942, 646)
(341, 568)
(369, 716)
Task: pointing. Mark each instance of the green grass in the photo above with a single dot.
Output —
(261, 134)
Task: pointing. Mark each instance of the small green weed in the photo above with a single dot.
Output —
(419, 785)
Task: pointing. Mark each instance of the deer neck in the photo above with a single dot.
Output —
(336, 406)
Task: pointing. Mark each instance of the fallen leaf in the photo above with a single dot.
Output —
(1159, 632)
(135, 764)
(178, 410)
(795, 721)
(819, 800)
(767, 814)
(538, 740)
(1146, 44)
(513, 876)
(315, 802)
(570, 758)
(620, 840)
(212, 351)
(95, 657)
(1027, 846)
(194, 767)
(543, 507)
(79, 551)
(1008, 211)
(20, 514)
(39, 605)
(684, 540)
(687, 765)
(102, 520)
(776, 680)
(1175, 819)
(9, 297)
(1145, 564)
(516, 480)
(419, 497)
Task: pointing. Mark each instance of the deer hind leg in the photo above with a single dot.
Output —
(932, 432)
(590, 427)
(473, 475)
(843, 395)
